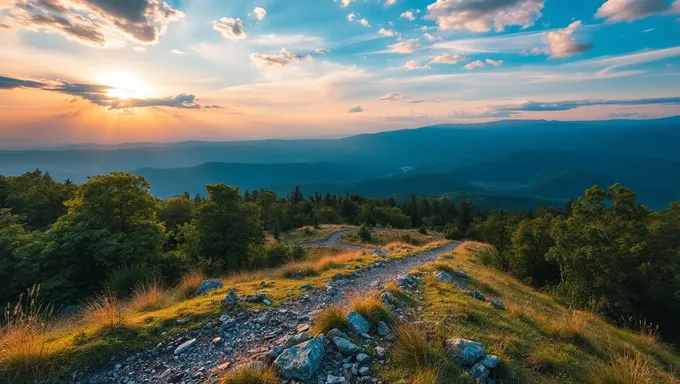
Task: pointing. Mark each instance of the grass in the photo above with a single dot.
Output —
(330, 318)
(106, 312)
(626, 369)
(309, 234)
(309, 268)
(250, 375)
(188, 285)
(371, 308)
(150, 296)
(569, 327)
(396, 236)
(399, 293)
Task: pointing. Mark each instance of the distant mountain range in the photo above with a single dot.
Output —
(536, 160)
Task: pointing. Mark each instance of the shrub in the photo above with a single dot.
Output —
(365, 233)
(150, 296)
(330, 318)
(188, 284)
(407, 238)
(626, 369)
(422, 230)
(451, 231)
(489, 256)
(308, 230)
(105, 311)
(250, 375)
(372, 309)
(123, 280)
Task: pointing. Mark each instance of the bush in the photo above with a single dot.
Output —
(123, 280)
(365, 233)
(330, 318)
(422, 230)
(451, 231)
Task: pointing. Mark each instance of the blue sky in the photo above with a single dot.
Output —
(140, 70)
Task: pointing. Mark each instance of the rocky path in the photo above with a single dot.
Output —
(334, 241)
(241, 336)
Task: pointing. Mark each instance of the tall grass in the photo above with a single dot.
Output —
(426, 359)
(250, 375)
(372, 308)
(629, 368)
(188, 284)
(105, 312)
(568, 327)
(150, 296)
(330, 318)
(314, 267)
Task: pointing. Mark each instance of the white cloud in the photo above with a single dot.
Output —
(413, 65)
(629, 10)
(483, 15)
(448, 59)
(351, 17)
(475, 65)
(259, 13)
(386, 32)
(493, 62)
(364, 22)
(230, 28)
(273, 39)
(178, 52)
(139, 49)
(280, 59)
(407, 15)
(345, 3)
(391, 97)
(404, 47)
(429, 37)
(389, 3)
(561, 43)
(322, 51)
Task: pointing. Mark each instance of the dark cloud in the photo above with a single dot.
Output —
(417, 101)
(89, 21)
(99, 94)
(356, 109)
(212, 106)
(537, 106)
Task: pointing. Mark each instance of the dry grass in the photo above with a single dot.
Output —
(330, 318)
(444, 267)
(372, 308)
(429, 376)
(150, 296)
(630, 368)
(413, 352)
(569, 327)
(105, 312)
(399, 293)
(314, 267)
(188, 284)
(250, 375)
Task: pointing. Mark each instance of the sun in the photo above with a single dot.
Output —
(125, 85)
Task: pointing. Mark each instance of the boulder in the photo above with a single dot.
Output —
(406, 281)
(256, 298)
(383, 329)
(345, 346)
(490, 361)
(336, 380)
(465, 352)
(380, 352)
(388, 298)
(479, 373)
(496, 303)
(231, 298)
(207, 286)
(476, 294)
(444, 276)
(364, 371)
(185, 346)
(337, 333)
(358, 323)
(461, 273)
(301, 361)
(363, 358)
(296, 339)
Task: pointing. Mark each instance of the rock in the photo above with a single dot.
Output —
(217, 341)
(336, 380)
(383, 329)
(490, 361)
(461, 273)
(207, 286)
(479, 373)
(306, 287)
(363, 358)
(185, 347)
(231, 298)
(224, 318)
(345, 346)
(388, 298)
(406, 281)
(266, 302)
(72, 309)
(476, 294)
(256, 298)
(296, 339)
(380, 352)
(358, 322)
(302, 328)
(301, 361)
(364, 371)
(496, 303)
(465, 352)
(379, 252)
(337, 333)
(444, 276)
(276, 351)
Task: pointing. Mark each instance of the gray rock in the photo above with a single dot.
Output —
(363, 358)
(476, 294)
(185, 347)
(358, 322)
(231, 298)
(465, 352)
(380, 352)
(388, 298)
(217, 341)
(256, 298)
(301, 361)
(461, 273)
(345, 346)
(444, 276)
(336, 380)
(276, 351)
(479, 373)
(337, 333)
(379, 252)
(306, 287)
(490, 361)
(364, 371)
(296, 339)
(266, 302)
(383, 329)
(208, 285)
(496, 303)
(406, 281)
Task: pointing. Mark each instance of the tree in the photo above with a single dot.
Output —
(365, 233)
(297, 197)
(36, 197)
(526, 259)
(175, 212)
(465, 216)
(226, 227)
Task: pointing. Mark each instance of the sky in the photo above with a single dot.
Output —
(105, 71)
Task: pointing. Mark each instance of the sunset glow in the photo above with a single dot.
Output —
(125, 85)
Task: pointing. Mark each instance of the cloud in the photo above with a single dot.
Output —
(538, 106)
(391, 97)
(356, 109)
(364, 22)
(389, 3)
(629, 10)
(475, 65)
(230, 28)
(482, 114)
(404, 47)
(483, 15)
(178, 52)
(407, 15)
(386, 32)
(345, 3)
(93, 21)
(280, 59)
(493, 62)
(351, 17)
(273, 39)
(429, 36)
(448, 59)
(99, 94)
(322, 51)
(259, 13)
(139, 49)
(561, 43)
(413, 65)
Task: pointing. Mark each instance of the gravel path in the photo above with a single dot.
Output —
(247, 335)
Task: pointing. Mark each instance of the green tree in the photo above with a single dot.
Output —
(37, 198)
(175, 212)
(526, 259)
(365, 233)
(465, 216)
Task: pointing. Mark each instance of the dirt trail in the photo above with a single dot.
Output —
(251, 332)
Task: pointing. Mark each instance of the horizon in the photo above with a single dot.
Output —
(88, 72)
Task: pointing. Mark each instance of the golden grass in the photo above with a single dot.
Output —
(330, 318)
(569, 327)
(399, 293)
(188, 285)
(250, 375)
(444, 267)
(428, 376)
(150, 296)
(626, 369)
(426, 360)
(105, 312)
(314, 267)
(371, 308)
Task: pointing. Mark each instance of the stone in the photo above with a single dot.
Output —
(301, 361)
(476, 294)
(496, 303)
(464, 352)
(266, 302)
(306, 287)
(444, 276)
(364, 371)
(358, 323)
(302, 328)
(461, 273)
(490, 361)
(185, 347)
(231, 298)
(345, 346)
(296, 339)
(256, 298)
(406, 281)
(479, 373)
(217, 341)
(276, 351)
(388, 298)
(380, 352)
(207, 286)
(337, 333)
(383, 329)
(336, 380)
(363, 358)
(379, 252)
